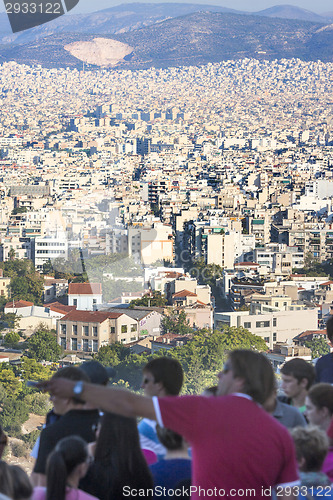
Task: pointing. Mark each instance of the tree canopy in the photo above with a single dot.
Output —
(42, 345)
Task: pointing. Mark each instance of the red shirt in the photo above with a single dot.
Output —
(236, 445)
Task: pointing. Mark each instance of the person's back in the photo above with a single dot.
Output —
(75, 420)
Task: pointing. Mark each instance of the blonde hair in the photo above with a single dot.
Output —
(312, 444)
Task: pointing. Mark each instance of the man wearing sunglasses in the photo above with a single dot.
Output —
(237, 448)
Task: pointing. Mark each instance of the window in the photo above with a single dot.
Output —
(63, 342)
(95, 345)
(266, 339)
(123, 340)
(63, 329)
(133, 338)
(247, 324)
(74, 344)
(74, 329)
(123, 328)
(133, 328)
(86, 330)
(85, 345)
(262, 324)
(74, 302)
(94, 301)
(95, 331)
(274, 321)
(113, 329)
(276, 304)
(274, 337)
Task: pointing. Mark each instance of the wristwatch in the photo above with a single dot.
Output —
(78, 388)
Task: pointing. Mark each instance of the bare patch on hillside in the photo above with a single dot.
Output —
(100, 51)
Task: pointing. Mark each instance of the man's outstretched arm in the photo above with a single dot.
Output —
(111, 399)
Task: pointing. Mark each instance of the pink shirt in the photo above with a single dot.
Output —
(39, 493)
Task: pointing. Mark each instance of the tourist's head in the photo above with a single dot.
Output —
(311, 445)
(61, 405)
(319, 405)
(68, 459)
(162, 377)
(297, 377)
(248, 372)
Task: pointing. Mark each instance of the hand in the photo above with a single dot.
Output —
(61, 387)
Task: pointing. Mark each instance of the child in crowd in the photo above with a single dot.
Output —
(66, 465)
(311, 445)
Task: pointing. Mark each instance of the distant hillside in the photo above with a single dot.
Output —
(119, 19)
(197, 38)
(132, 16)
(292, 12)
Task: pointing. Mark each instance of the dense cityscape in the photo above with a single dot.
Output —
(149, 211)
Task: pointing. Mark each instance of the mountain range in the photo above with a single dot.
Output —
(166, 34)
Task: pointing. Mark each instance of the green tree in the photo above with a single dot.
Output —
(112, 355)
(151, 299)
(10, 319)
(31, 369)
(11, 339)
(29, 287)
(319, 347)
(48, 268)
(10, 383)
(11, 254)
(43, 345)
(13, 415)
(19, 210)
(176, 323)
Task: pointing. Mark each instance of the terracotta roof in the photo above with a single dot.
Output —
(311, 332)
(173, 274)
(90, 316)
(184, 293)
(247, 264)
(19, 303)
(61, 308)
(326, 283)
(85, 289)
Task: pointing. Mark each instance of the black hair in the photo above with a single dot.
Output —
(170, 439)
(168, 371)
(69, 452)
(6, 480)
(300, 369)
(22, 487)
(118, 460)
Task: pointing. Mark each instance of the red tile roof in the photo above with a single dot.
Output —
(90, 316)
(184, 293)
(19, 303)
(85, 289)
(61, 308)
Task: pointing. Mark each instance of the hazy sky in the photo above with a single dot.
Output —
(318, 6)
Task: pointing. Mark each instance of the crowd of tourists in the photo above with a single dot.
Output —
(251, 435)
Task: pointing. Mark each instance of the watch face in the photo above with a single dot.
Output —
(77, 389)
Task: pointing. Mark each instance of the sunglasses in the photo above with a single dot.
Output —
(226, 368)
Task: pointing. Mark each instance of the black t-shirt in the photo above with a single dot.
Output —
(74, 422)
